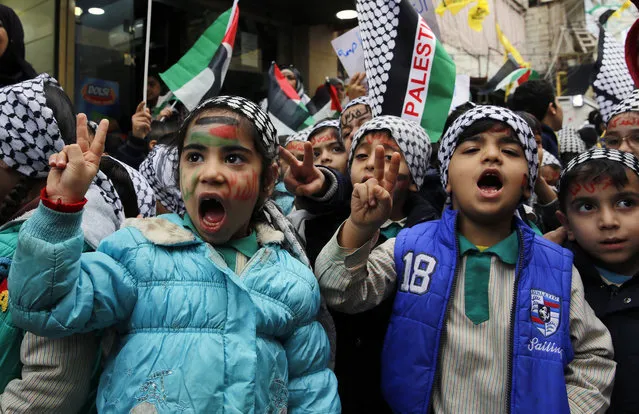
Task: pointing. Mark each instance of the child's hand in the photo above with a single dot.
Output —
(73, 168)
(302, 178)
(557, 236)
(372, 201)
(141, 121)
(356, 87)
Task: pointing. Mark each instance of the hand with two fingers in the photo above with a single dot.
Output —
(356, 86)
(73, 168)
(303, 178)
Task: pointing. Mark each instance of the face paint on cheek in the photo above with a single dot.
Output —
(244, 186)
(187, 192)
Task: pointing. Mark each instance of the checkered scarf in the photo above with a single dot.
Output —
(612, 82)
(143, 191)
(333, 123)
(109, 194)
(448, 143)
(242, 106)
(29, 132)
(630, 104)
(549, 159)
(625, 158)
(362, 100)
(301, 136)
(410, 137)
(570, 141)
(160, 169)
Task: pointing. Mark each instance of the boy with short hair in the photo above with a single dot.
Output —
(482, 304)
(599, 195)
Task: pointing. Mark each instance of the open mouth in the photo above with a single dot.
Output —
(490, 182)
(212, 213)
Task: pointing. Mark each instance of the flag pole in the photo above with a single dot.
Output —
(147, 46)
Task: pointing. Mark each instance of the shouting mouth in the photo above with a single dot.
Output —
(212, 213)
(490, 183)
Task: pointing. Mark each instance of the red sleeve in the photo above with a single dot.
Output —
(58, 205)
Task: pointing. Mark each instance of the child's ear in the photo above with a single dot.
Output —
(563, 219)
(412, 187)
(272, 172)
(552, 108)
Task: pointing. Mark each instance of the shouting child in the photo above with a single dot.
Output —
(213, 314)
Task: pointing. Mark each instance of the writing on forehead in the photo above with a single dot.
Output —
(357, 112)
(295, 146)
(326, 136)
(627, 119)
(380, 138)
(591, 187)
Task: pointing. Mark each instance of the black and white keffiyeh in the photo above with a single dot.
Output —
(29, 132)
(143, 192)
(410, 137)
(332, 123)
(160, 170)
(246, 108)
(110, 195)
(626, 158)
(612, 81)
(300, 136)
(629, 104)
(362, 100)
(448, 143)
(570, 141)
(549, 159)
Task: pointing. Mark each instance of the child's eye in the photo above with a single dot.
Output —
(194, 157)
(338, 150)
(388, 157)
(234, 159)
(361, 157)
(511, 152)
(316, 154)
(585, 208)
(470, 150)
(626, 203)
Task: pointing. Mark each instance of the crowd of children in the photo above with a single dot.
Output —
(355, 268)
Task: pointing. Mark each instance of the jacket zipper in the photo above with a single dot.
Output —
(513, 309)
(438, 374)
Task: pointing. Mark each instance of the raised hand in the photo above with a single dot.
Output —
(73, 168)
(303, 178)
(356, 87)
(141, 121)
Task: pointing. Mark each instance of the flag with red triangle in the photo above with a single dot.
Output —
(285, 107)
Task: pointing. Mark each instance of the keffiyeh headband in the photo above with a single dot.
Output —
(332, 123)
(362, 100)
(448, 143)
(29, 132)
(549, 159)
(160, 168)
(143, 192)
(410, 137)
(570, 141)
(625, 158)
(301, 136)
(630, 104)
(251, 111)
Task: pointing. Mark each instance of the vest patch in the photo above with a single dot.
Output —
(417, 272)
(545, 311)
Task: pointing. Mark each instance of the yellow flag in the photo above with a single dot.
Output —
(453, 6)
(477, 14)
(621, 9)
(509, 48)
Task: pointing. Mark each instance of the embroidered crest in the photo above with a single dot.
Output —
(545, 311)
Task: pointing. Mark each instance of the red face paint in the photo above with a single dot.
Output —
(295, 146)
(327, 137)
(575, 189)
(607, 182)
(589, 187)
(382, 140)
(224, 131)
(243, 186)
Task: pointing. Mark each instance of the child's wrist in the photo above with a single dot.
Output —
(354, 235)
(60, 203)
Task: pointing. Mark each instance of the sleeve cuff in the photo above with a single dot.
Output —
(352, 258)
(53, 226)
(332, 190)
(59, 206)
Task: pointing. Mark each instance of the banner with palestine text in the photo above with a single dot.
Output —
(409, 73)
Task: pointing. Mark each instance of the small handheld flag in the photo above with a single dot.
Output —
(285, 106)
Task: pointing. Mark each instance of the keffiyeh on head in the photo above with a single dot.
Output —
(110, 195)
(249, 110)
(143, 191)
(448, 143)
(160, 169)
(629, 104)
(29, 132)
(549, 159)
(570, 141)
(625, 158)
(409, 136)
(300, 136)
(332, 123)
(362, 100)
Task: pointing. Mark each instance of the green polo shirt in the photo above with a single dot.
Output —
(478, 272)
(247, 246)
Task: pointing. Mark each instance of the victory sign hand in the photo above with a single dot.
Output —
(303, 178)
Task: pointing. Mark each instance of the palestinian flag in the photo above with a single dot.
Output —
(200, 73)
(517, 77)
(611, 79)
(508, 67)
(326, 99)
(285, 107)
(408, 71)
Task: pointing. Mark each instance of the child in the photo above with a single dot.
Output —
(360, 337)
(550, 170)
(482, 305)
(599, 196)
(328, 147)
(213, 313)
(281, 196)
(622, 132)
(354, 115)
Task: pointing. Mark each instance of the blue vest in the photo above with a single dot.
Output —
(426, 263)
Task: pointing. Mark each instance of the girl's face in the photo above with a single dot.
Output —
(328, 151)
(220, 176)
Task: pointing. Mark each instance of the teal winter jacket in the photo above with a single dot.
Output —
(194, 337)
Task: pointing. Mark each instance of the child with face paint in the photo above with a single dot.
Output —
(295, 145)
(328, 147)
(360, 337)
(213, 312)
(482, 304)
(600, 209)
(354, 115)
(622, 131)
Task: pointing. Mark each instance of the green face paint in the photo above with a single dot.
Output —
(187, 193)
(205, 139)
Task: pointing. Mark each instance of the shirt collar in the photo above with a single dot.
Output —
(390, 222)
(248, 245)
(507, 250)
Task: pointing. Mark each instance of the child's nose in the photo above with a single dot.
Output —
(492, 153)
(212, 173)
(608, 218)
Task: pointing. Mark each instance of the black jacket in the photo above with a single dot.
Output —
(618, 309)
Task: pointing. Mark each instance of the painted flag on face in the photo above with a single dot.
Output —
(285, 107)
(409, 73)
(200, 73)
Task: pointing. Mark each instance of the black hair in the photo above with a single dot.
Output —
(484, 125)
(589, 136)
(591, 171)
(163, 131)
(121, 180)
(16, 198)
(533, 97)
(533, 123)
(456, 113)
